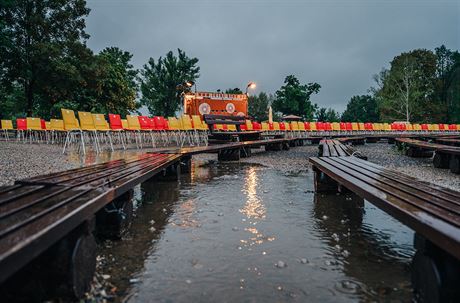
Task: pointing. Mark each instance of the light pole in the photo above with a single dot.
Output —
(190, 84)
(250, 85)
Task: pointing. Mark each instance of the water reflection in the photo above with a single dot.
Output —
(370, 257)
(253, 208)
(154, 202)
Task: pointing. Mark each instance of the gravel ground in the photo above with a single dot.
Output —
(388, 156)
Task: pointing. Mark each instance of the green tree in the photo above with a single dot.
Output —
(407, 88)
(361, 109)
(119, 87)
(327, 115)
(447, 90)
(258, 106)
(162, 82)
(294, 98)
(235, 90)
(37, 38)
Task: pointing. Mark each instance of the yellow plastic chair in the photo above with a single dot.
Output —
(313, 126)
(201, 129)
(33, 123)
(276, 126)
(57, 125)
(124, 124)
(249, 125)
(133, 123)
(361, 126)
(72, 127)
(6, 125)
(70, 121)
(335, 126)
(86, 121)
(103, 127)
(301, 126)
(354, 126)
(265, 126)
(100, 123)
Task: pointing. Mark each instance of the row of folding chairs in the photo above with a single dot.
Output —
(95, 131)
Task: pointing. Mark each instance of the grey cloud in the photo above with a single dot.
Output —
(339, 44)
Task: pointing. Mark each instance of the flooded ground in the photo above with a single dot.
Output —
(235, 232)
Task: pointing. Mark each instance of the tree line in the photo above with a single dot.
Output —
(420, 86)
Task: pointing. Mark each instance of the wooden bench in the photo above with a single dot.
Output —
(432, 211)
(334, 148)
(223, 137)
(37, 213)
(445, 156)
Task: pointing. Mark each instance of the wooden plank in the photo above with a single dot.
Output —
(407, 188)
(421, 185)
(437, 230)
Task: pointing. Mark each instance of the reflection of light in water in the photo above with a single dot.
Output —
(185, 214)
(253, 208)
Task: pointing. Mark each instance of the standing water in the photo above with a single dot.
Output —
(233, 232)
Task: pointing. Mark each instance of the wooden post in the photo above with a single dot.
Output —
(454, 164)
(113, 221)
(323, 183)
(441, 160)
(64, 270)
(435, 273)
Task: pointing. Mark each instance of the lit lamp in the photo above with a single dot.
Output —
(190, 84)
(250, 85)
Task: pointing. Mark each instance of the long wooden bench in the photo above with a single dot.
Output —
(36, 213)
(445, 156)
(334, 148)
(432, 211)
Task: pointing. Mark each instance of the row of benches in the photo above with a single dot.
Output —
(445, 156)
(432, 211)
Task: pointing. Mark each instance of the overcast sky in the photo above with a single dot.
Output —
(339, 44)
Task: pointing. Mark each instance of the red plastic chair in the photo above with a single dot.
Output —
(441, 126)
(320, 126)
(160, 123)
(21, 124)
(343, 126)
(152, 123)
(349, 126)
(452, 127)
(256, 126)
(243, 127)
(328, 126)
(282, 126)
(368, 126)
(307, 125)
(270, 126)
(424, 126)
(115, 122)
(144, 122)
(42, 123)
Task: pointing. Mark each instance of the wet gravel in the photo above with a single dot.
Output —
(20, 161)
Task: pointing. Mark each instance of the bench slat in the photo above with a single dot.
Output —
(439, 231)
(420, 185)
